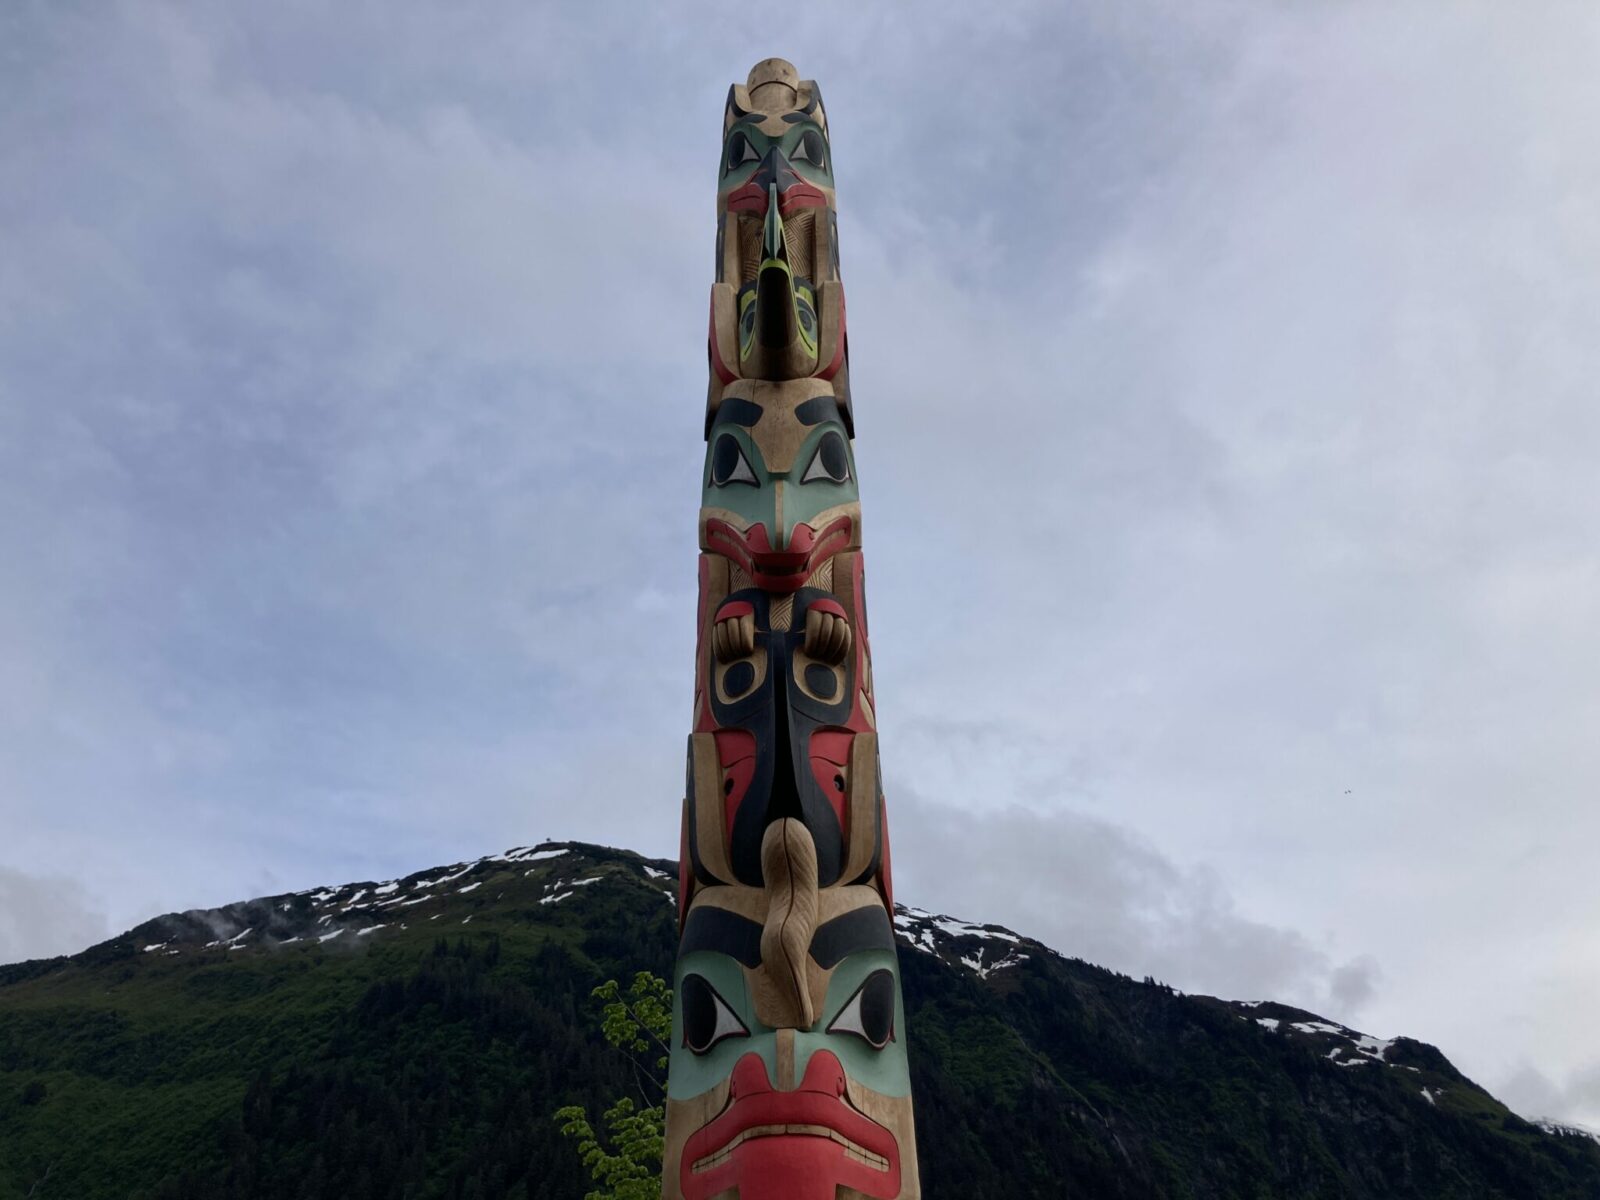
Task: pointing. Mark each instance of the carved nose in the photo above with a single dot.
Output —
(775, 172)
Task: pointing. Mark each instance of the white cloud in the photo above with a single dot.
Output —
(1224, 377)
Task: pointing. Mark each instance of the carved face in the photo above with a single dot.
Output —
(777, 1111)
(779, 494)
(776, 236)
(785, 155)
(786, 724)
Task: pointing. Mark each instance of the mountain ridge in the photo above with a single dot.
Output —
(1033, 1069)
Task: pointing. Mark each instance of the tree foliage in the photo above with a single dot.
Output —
(626, 1162)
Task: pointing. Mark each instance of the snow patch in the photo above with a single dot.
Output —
(1373, 1047)
(1319, 1027)
(1557, 1128)
(540, 855)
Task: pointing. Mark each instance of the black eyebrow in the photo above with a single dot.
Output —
(723, 932)
(866, 928)
(817, 410)
(735, 410)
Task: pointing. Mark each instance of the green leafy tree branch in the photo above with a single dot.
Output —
(625, 1162)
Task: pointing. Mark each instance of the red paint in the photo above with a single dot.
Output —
(752, 198)
(789, 1166)
(723, 372)
(827, 606)
(830, 751)
(858, 577)
(778, 570)
(832, 745)
(735, 608)
(736, 751)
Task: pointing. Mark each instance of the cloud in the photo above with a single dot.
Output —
(1096, 891)
(1534, 1095)
(1224, 384)
(45, 915)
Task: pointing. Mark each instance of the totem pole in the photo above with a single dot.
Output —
(788, 1076)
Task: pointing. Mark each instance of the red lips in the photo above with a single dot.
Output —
(752, 198)
(778, 570)
(799, 1145)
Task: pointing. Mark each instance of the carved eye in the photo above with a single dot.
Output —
(707, 1019)
(812, 149)
(869, 1013)
(728, 463)
(740, 151)
(830, 462)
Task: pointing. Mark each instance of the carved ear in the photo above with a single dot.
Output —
(789, 875)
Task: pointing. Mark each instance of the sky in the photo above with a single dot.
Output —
(1226, 429)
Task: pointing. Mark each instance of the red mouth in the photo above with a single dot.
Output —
(778, 570)
(799, 1145)
(752, 198)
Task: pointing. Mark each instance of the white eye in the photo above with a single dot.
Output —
(707, 1019)
(729, 465)
(810, 149)
(869, 1013)
(830, 462)
(739, 152)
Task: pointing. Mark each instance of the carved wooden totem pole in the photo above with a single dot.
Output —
(788, 1075)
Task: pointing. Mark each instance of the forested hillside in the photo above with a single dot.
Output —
(410, 1039)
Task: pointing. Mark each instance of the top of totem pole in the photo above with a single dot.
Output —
(771, 77)
(772, 88)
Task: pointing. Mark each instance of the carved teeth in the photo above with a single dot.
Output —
(852, 1150)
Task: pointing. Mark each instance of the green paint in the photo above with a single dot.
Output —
(778, 499)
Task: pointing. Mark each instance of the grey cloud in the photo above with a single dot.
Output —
(1535, 1095)
(45, 915)
(1224, 382)
(1097, 891)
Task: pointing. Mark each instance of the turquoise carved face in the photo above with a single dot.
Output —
(861, 1022)
(779, 492)
(800, 154)
(774, 1112)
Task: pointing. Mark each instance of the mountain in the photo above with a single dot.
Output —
(410, 1039)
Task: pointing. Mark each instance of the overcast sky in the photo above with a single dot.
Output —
(1226, 392)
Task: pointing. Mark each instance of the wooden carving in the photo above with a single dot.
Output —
(788, 1076)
